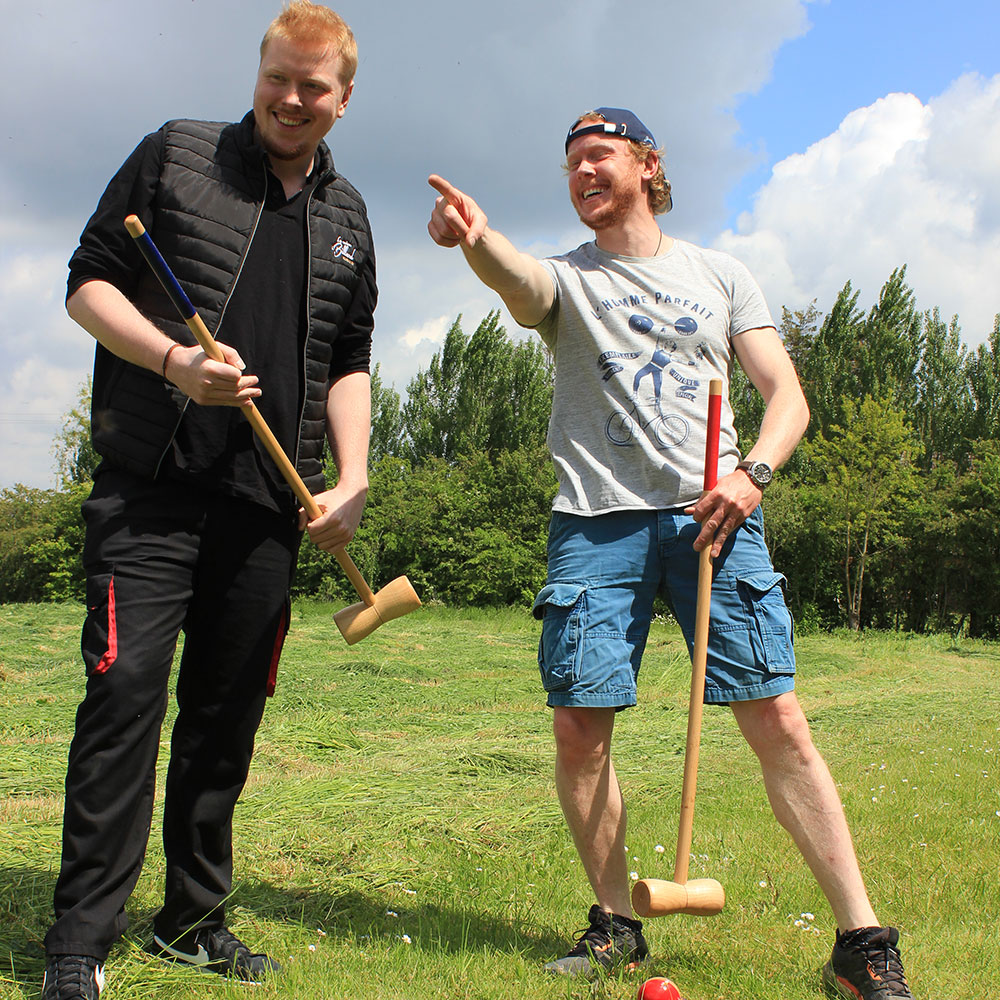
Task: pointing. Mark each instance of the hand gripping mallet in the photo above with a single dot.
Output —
(397, 597)
(653, 897)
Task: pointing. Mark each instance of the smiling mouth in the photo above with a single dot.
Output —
(592, 193)
(289, 122)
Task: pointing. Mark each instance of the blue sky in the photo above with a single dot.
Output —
(818, 142)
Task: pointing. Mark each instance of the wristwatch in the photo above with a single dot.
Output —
(760, 473)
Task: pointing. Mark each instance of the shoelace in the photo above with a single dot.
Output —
(591, 938)
(75, 977)
(885, 960)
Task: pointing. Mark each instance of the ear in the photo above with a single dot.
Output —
(650, 167)
(342, 107)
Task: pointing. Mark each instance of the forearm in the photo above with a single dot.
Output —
(108, 316)
(784, 422)
(348, 428)
(518, 278)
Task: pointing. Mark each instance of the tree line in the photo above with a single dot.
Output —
(884, 517)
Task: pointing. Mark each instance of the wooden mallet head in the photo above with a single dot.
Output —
(395, 599)
(655, 897)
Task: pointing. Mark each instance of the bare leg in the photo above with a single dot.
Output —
(806, 803)
(592, 801)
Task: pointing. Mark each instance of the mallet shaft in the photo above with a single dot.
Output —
(699, 656)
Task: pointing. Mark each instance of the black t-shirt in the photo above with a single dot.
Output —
(265, 320)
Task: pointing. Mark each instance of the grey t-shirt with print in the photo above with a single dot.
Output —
(636, 341)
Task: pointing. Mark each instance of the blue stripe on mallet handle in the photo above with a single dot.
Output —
(207, 342)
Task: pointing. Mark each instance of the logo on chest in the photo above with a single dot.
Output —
(343, 249)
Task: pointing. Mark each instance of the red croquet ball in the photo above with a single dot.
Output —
(658, 989)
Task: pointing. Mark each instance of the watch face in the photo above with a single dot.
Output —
(761, 474)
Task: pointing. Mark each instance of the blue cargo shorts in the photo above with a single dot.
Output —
(597, 603)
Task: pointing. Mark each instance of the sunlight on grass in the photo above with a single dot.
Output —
(399, 835)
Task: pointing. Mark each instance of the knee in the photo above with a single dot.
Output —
(583, 737)
(775, 726)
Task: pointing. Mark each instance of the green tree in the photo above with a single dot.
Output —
(830, 369)
(798, 331)
(865, 468)
(387, 420)
(975, 551)
(481, 393)
(943, 409)
(41, 539)
(983, 374)
(73, 447)
(891, 340)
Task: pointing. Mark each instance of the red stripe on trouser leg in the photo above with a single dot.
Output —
(111, 653)
(279, 642)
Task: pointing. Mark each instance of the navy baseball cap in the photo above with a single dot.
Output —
(617, 121)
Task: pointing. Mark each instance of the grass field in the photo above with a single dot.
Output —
(400, 837)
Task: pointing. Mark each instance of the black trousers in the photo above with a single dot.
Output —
(161, 558)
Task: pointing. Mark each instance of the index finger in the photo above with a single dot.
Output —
(444, 188)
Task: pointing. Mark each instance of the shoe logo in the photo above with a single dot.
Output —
(200, 957)
(99, 978)
(343, 249)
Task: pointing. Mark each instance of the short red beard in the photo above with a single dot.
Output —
(613, 214)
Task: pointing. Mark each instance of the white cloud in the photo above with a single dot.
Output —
(433, 331)
(899, 182)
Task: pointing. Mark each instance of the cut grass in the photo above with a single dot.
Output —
(400, 835)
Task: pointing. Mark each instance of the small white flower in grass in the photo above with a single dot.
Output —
(413, 892)
(808, 916)
(633, 876)
(659, 848)
(321, 932)
(407, 939)
(312, 947)
(762, 883)
(391, 913)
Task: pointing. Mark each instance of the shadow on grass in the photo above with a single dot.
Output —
(349, 915)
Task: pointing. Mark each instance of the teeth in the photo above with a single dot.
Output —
(589, 193)
(288, 121)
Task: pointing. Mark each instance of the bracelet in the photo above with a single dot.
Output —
(166, 357)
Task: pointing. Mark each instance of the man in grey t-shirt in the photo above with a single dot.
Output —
(638, 324)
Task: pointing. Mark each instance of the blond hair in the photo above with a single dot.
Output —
(658, 193)
(305, 22)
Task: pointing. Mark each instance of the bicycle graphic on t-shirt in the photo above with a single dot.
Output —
(666, 430)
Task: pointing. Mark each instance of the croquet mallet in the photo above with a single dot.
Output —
(397, 597)
(652, 897)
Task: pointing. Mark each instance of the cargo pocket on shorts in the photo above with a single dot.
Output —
(560, 607)
(769, 620)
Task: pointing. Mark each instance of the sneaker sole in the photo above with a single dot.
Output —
(582, 968)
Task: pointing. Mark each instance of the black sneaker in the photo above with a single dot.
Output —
(610, 942)
(865, 965)
(216, 950)
(72, 977)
